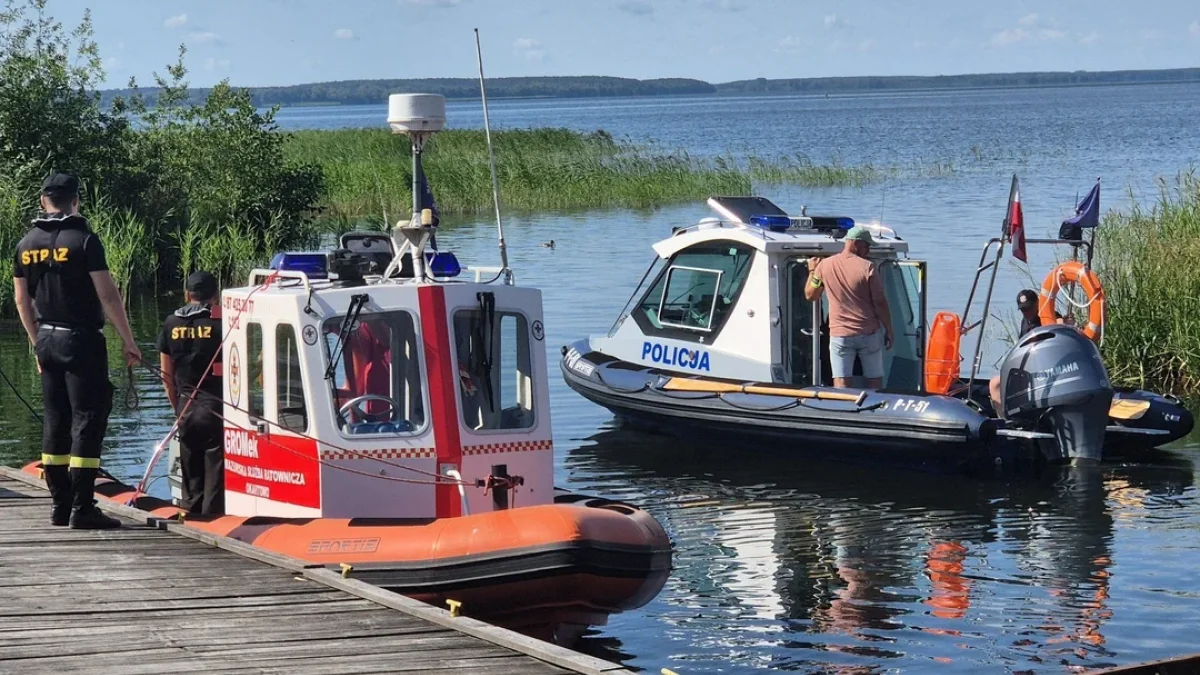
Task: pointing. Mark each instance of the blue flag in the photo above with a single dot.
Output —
(1087, 214)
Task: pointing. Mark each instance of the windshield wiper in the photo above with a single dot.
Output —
(357, 301)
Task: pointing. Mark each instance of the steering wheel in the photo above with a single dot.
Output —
(353, 405)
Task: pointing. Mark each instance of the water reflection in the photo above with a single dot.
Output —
(830, 566)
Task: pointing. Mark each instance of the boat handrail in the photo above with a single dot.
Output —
(462, 493)
(879, 231)
(260, 276)
(495, 271)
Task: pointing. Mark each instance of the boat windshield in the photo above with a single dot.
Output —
(380, 360)
(696, 291)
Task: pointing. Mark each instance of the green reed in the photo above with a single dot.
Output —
(368, 172)
(1148, 260)
(128, 244)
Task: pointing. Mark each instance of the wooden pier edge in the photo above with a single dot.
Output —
(501, 637)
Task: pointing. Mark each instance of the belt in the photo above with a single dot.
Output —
(50, 326)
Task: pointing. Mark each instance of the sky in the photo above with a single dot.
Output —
(281, 42)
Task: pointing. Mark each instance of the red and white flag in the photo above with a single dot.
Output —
(1014, 222)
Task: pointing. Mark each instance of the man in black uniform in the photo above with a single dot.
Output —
(63, 291)
(189, 343)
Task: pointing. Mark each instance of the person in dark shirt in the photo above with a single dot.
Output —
(1027, 304)
(63, 291)
(190, 356)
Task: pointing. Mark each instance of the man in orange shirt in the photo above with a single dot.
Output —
(860, 323)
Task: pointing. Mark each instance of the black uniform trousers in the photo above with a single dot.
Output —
(77, 396)
(202, 457)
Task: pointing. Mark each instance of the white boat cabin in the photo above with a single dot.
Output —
(349, 397)
(724, 298)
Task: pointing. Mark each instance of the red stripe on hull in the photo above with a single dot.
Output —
(439, 359)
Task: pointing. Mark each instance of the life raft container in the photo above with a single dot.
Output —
(943, 358)
(1070, 272)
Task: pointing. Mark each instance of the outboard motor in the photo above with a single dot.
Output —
(1054, 379)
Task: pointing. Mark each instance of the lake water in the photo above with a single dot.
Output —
(785, 564)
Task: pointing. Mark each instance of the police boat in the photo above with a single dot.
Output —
(387, 415)
(718, 340)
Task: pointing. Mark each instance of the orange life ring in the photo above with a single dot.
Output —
(1074, 271)
(942, 359)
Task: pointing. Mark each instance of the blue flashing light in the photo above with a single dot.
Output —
(772, 223)
(315, 265)
(845, 223)
(444, 264)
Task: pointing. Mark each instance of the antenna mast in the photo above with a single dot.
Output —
(487, 130)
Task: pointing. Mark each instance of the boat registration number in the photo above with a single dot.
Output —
(913, 405)
(575, 362)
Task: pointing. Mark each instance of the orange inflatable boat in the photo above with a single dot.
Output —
(548, 571)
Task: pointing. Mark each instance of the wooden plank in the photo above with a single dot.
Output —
(169, 598)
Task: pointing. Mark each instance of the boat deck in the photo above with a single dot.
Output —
(151, 598)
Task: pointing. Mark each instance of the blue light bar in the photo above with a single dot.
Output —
(845, 223)
(315, 265)
(444, 264)
(772, 223)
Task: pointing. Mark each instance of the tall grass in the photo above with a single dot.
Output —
(368, 171)
(128, 244)
(1149, 260)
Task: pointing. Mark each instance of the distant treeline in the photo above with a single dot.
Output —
(872, 83)
(376, 91)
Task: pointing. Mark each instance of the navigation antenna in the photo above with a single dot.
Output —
(487, 130)
(418, 116)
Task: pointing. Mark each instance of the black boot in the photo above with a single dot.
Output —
(58, 480)
(86, 515)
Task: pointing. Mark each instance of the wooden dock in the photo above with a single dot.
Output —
(159, 597)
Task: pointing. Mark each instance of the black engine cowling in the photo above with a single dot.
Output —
(1055, 381)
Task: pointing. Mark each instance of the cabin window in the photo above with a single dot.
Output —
(694, 295)
(376, 374)
(254, 368)
(495, 373)
(291, 412)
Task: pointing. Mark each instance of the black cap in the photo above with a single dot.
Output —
(202, 283)
(1027, 299)
(61, 185)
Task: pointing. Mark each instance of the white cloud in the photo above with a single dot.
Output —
(723, 5)
(175, 21)
(866, 45)
(529, 48)
(204, 38)
(790, 45)
(636, 7)
(1029, 27)
(112, 63)
(216, 64)
(1009, 37)
(1151, 35)
(920, 44)
(343, 34)
(834, 21)
(1090, 39)
(716, 49)
(1194, 29)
